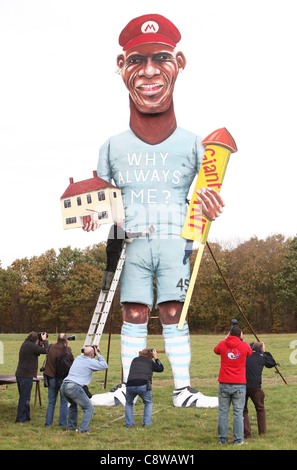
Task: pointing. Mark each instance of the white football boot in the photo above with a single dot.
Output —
(189, 397)
(116, 396)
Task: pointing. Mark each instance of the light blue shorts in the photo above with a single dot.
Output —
(163, 260)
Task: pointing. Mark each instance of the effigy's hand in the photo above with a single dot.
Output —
(91, 226)
(212, 202)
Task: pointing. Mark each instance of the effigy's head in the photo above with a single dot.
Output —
(149, 64)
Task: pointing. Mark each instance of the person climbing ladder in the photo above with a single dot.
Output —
(116, 237)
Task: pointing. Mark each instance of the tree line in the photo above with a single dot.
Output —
(58, 291)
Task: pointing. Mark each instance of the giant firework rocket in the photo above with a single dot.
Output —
(218, 147)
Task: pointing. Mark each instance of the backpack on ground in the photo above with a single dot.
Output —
(63, 364)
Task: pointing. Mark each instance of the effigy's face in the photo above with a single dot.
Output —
(149, 72)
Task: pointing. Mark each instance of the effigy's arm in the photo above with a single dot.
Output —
(218, 147)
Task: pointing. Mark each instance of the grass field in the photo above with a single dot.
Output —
(173, 428)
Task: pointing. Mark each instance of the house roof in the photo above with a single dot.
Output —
(86, 186)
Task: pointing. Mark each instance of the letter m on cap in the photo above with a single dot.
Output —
(149, 27)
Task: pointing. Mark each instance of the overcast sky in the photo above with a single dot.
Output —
(60, 99)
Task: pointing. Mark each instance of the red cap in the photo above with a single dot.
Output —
(149, 29)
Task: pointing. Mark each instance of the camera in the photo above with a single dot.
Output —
(71, 338)
(42, 369)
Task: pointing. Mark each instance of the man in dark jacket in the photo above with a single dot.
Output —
(54, 382)
(254, 368)
(139, 383)
(30, 350)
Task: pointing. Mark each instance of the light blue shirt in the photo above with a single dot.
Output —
(82, 368)
(154, 179)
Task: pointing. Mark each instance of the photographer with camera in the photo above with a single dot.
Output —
(232, 382)
(34, 345)
(53, 380)
(75, 387)
(254, 368)
(139, 383)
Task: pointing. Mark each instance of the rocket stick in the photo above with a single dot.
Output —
(218, 147)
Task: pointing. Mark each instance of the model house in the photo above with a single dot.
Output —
(91, 199)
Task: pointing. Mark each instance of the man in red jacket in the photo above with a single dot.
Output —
(232, 383)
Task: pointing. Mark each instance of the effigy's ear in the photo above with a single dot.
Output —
(181, 60)
(120, 60)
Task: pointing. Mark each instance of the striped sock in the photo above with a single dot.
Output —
(133, 340)
(178, 350)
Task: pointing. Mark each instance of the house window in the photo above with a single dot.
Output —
(103, 215)
(70, 220)
(67, 203)
(89, 199)
(101, 196)
(114, 195)
(78, 200)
